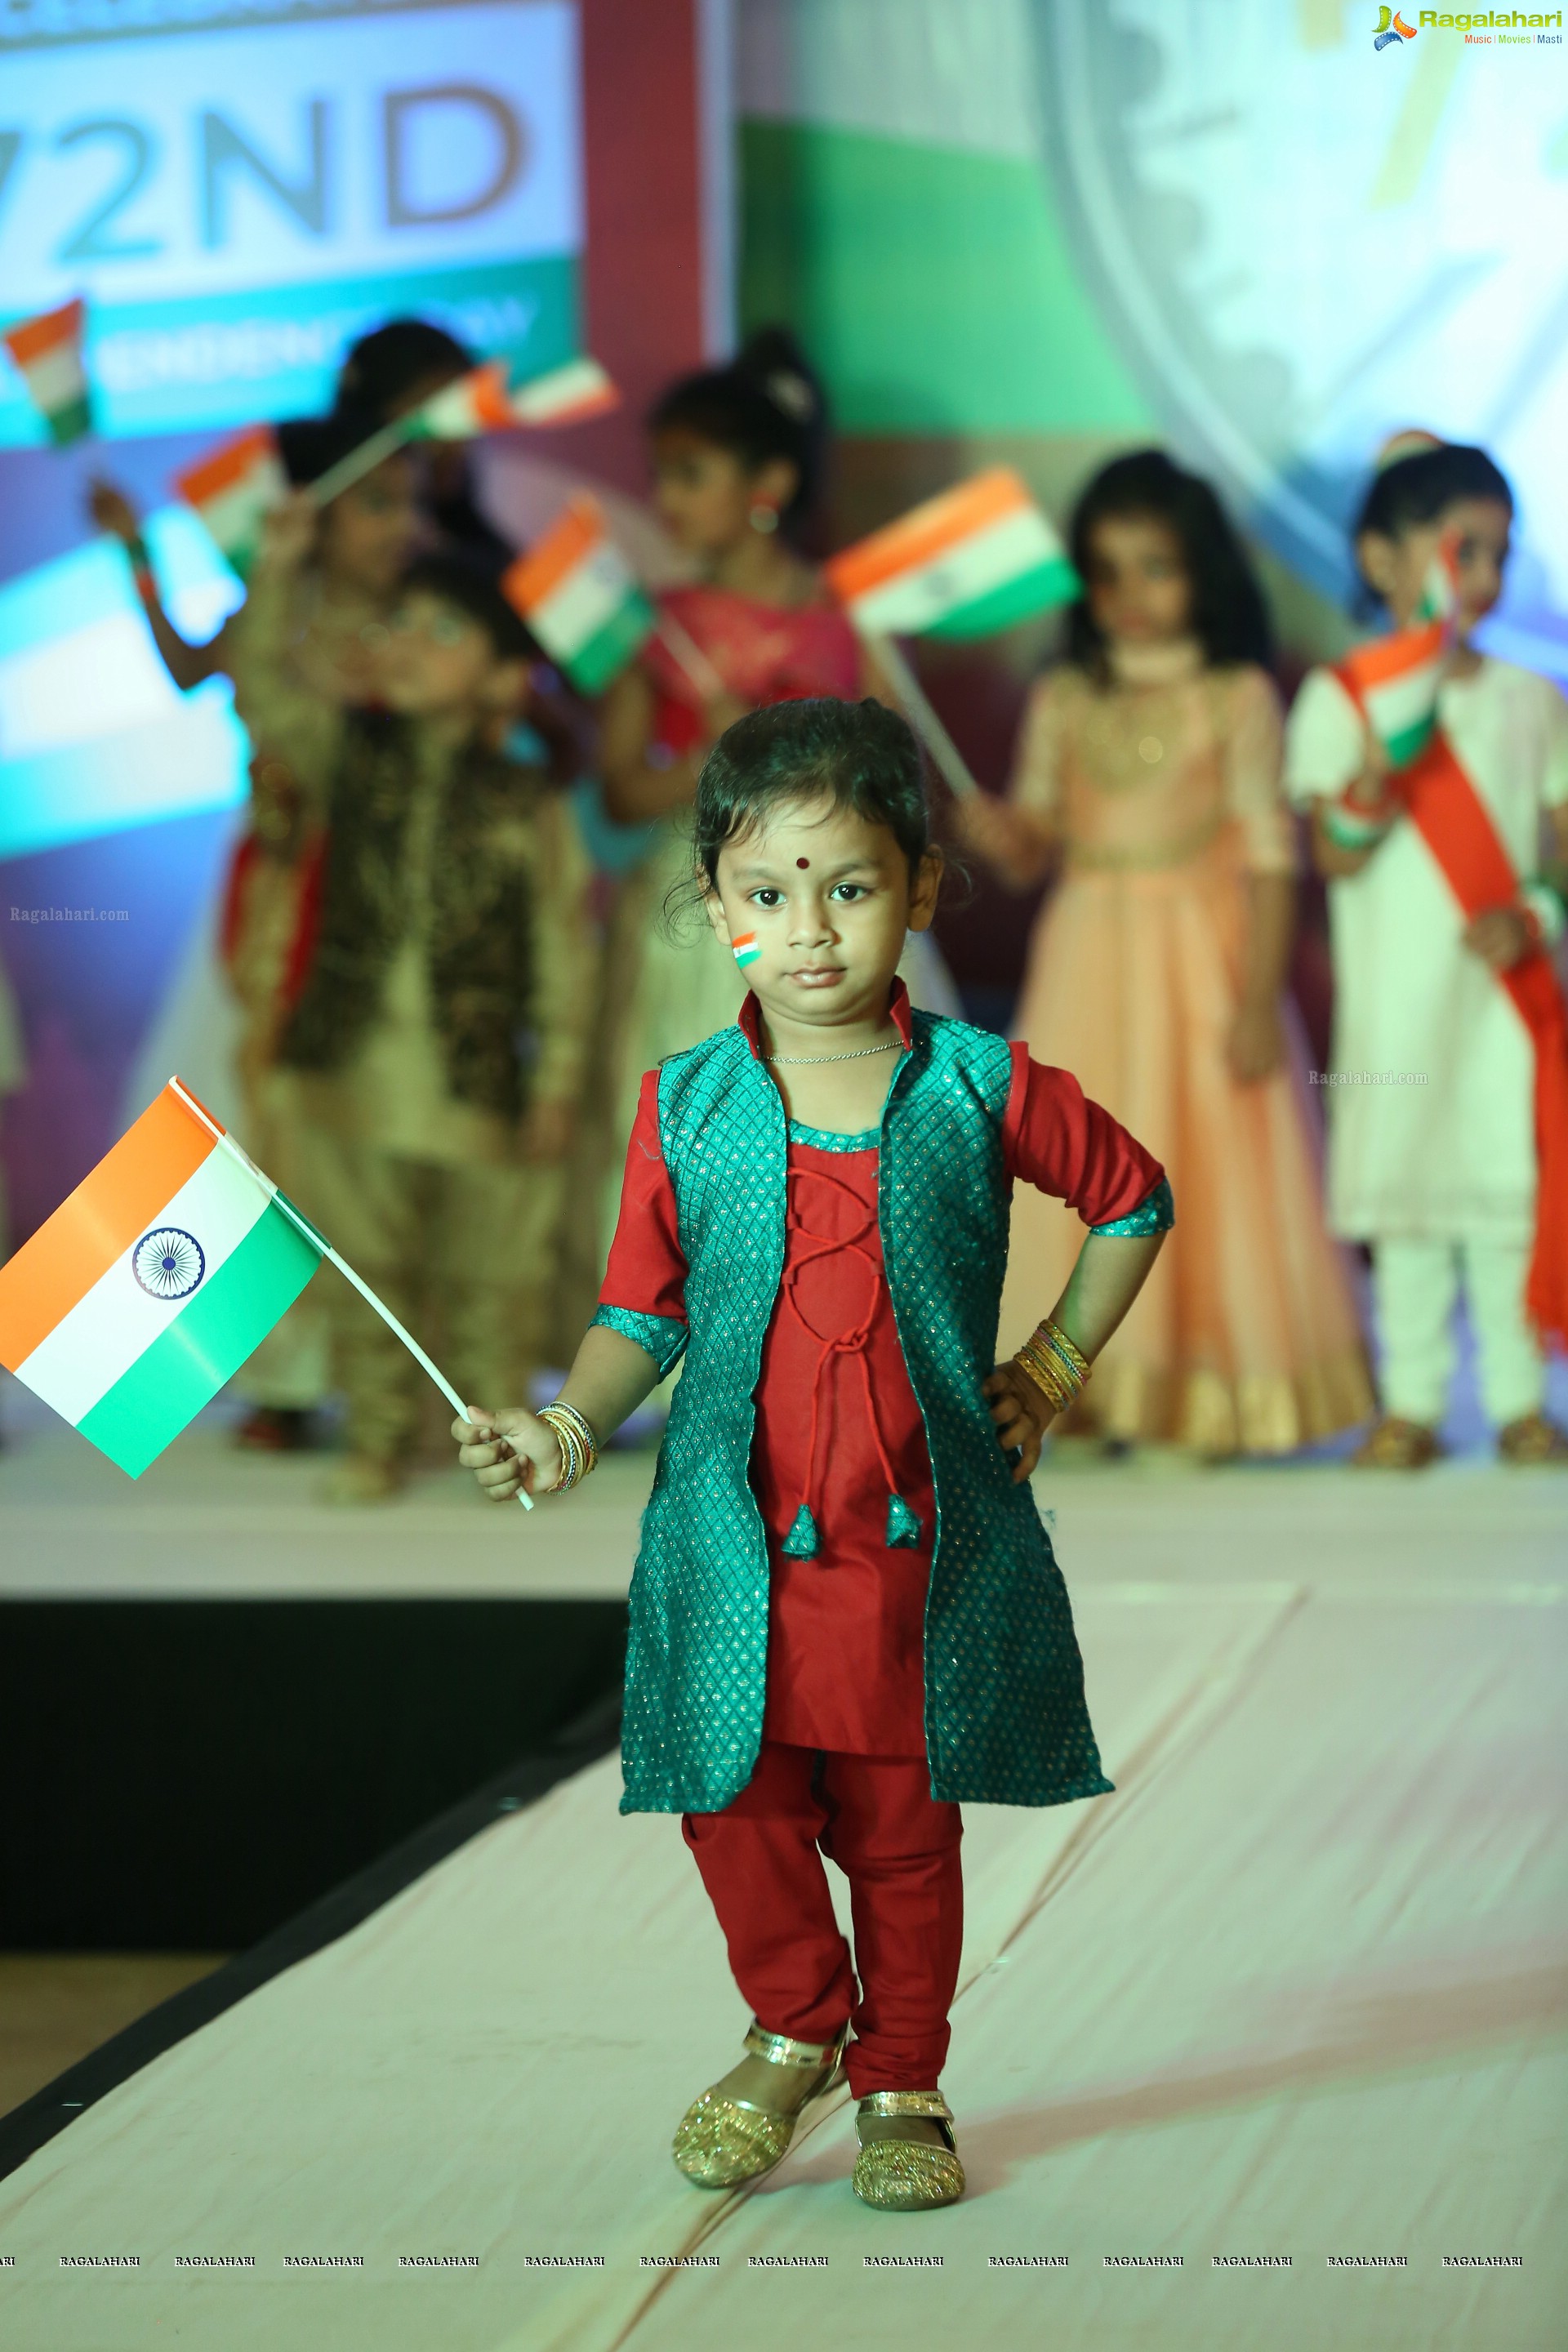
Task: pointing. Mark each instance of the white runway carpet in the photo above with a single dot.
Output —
(1297, 1989)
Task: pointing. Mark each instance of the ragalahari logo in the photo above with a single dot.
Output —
(1390, 27)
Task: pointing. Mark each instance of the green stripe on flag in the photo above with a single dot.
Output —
(1003, 607)
(606, 654)
(71, 422)
(204, 1345)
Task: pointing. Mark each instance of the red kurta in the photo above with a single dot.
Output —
(838, 1424)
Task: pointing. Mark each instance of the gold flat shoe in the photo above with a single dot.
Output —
(722, 2140)
(907, 2176)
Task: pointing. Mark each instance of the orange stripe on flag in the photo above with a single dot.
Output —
(926, 532)
(210, 477)
(491, 405)
(33, 337)
(98, 1222)
(562, 547)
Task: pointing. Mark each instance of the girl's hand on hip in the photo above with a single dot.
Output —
(508, 1450)
(1022, 1413)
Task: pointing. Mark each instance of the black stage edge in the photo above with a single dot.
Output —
(185, 1775)
(26, 2128)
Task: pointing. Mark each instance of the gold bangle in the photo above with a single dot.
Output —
(1056, 1338)
(579, 1446)
(1057, 1367)
(1047, 1377)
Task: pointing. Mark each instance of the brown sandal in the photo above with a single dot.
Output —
(1394, 1444)
(1532, 1440)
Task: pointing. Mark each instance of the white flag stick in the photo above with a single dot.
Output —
(319, 1242)
(362, 460)
(708, 680)
(919, 712)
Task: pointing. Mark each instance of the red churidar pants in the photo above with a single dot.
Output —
(760, 1861)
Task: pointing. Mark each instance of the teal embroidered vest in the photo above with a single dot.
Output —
(1005, 1719)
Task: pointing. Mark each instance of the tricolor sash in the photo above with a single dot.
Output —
(1455, 823)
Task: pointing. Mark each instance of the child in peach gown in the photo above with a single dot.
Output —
(1149, 768)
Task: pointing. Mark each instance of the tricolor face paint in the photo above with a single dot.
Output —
(745, 949)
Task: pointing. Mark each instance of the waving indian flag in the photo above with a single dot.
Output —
(48, 351)
(148, 1288)
(480, 401)
(975, 560)
(1395, 679)
(233, 489)
(566, 395)
(581, 597)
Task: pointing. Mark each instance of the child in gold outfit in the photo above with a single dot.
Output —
(435, 1046)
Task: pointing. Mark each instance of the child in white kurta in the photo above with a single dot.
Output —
(1432, 1147)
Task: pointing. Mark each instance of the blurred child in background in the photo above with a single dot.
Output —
(340, 599)
(739, 454)
(1149, 769)
(1440, 943)
(342, 596)
(434, 1047)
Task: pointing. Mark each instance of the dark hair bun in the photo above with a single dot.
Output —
(773, 360)
(767, 403)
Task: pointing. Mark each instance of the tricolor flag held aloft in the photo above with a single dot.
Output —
(149, 1287)
(480, 401)
(581, 597)
(566, 395)
(233, 489)
(975, 560)
(48, 351)
(1395, 679)
(473, 403)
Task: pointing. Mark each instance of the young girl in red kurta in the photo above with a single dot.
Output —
(846, 1614)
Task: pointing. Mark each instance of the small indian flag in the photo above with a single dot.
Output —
(233, 489)
(977, 559)
(745, 949)
(566, 395)
(581, 598)
(48, 351)
(148, 1288)
(481, 401)
(1395, 679)
(473, 403)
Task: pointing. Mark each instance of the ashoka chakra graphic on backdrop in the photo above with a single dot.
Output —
(168, 1262)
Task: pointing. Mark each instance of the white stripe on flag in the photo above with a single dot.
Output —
(93, 1346)
(56, 376)
(960, 575)
(578, 606)
(234, 517)
(1401, 702)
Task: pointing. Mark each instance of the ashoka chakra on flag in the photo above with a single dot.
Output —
(168, 1262)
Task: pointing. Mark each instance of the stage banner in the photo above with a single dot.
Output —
(239, 194)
